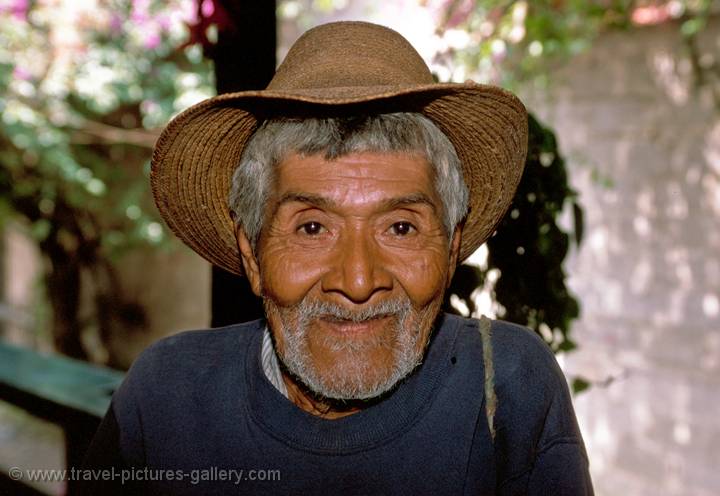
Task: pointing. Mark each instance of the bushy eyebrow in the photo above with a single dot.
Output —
(328, 204)
(309, 199)
(410, 200)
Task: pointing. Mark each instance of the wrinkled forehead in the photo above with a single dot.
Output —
(357, 178)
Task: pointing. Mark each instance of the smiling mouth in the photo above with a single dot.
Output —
(349, 327)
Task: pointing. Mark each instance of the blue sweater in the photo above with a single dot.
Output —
(196, 408)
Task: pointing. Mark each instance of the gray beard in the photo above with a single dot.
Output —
(353, 379)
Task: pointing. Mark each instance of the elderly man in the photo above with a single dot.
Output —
(355, 185)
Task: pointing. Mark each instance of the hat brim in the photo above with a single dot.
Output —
(197, 153)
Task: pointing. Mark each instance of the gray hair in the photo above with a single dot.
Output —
(275, 139)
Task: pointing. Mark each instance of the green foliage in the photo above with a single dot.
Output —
(513, 42)
(519, 42)
(528, 249)
(705, 62)
(83, 91)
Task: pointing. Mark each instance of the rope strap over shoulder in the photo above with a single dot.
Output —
(489, 368)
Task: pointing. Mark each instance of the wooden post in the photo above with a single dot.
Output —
(244, 59)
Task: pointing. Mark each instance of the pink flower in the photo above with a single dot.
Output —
(164, 22)
(207, 8)
(16, 8)
(116, 23)
(152, 41)
(652, 14)
(21, 73)
(140, 11)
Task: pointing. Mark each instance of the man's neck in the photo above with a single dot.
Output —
(314, 406)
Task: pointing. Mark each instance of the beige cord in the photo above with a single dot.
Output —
(490, 397)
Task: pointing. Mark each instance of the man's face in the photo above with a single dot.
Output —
(352, 265)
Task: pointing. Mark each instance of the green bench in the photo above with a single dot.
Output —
(70, 393)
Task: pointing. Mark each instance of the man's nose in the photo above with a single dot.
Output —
(357, 271)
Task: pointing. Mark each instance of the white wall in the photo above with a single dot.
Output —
(648, 271)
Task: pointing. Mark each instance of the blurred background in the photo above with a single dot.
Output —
(610, 251)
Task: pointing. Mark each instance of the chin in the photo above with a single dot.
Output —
(345, 355)
(357, 378)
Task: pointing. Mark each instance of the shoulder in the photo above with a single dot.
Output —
(196, 346)
(534, 419)
(517, 351)
(526, 376)
(520, 355)
(188, 359)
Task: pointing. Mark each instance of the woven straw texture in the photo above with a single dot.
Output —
(343, 68)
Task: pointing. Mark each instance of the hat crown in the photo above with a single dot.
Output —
(350, 54)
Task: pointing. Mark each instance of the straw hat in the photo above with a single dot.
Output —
(341, 68)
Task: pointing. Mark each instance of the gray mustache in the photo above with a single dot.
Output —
(318, 309)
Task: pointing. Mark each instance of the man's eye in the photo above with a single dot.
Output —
(402, 228)
(312, 228)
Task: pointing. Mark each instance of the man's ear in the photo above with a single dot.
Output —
(454, 253)
(249, 261)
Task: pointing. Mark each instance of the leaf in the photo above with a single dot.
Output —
(567, 345)
(692, 27)
(40, 229)
(580, 384)
(579, 221)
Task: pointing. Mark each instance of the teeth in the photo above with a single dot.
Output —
(355, 321)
